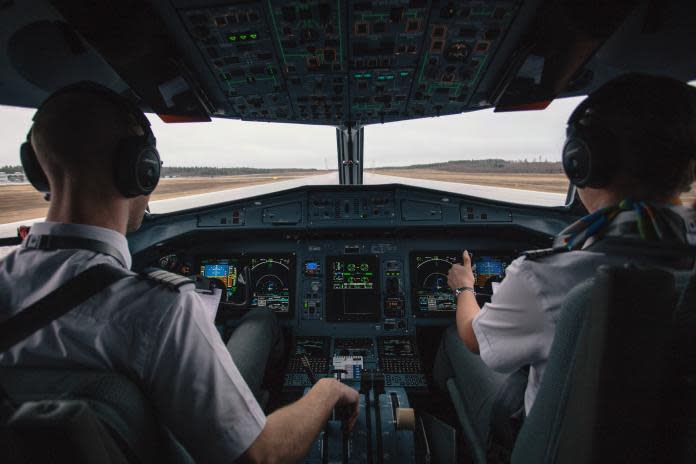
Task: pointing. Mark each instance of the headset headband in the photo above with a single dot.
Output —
(587, 115)
(120, 101)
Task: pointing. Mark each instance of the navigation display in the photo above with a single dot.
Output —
(253, 281)
(352, 288)
(271, 282)
(431, 293)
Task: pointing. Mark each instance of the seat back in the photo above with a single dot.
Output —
(57, 431)
(608, 389)
(116, 401)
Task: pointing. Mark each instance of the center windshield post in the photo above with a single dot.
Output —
(349, 142)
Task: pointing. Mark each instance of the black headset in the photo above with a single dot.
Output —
(597, 146)
(137, 164)
(590, 157)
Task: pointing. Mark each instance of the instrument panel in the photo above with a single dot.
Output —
(349, 283)
(356, 276)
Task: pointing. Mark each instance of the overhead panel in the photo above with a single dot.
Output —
(238, 45)
(385, 49)
(341, 62)
(460, 39)
(311, 39)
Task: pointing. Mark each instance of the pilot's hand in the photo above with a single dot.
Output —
(461, 275)
(346, 398)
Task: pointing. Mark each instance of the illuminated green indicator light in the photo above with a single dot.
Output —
(243, 36)
(367, 75)
(359, 76)
(380, 78)
(403, 74)
(232, 38)
(253, 36)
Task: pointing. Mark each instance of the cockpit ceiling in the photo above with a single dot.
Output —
(331, 61)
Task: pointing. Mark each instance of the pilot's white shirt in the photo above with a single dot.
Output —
(517, 327)
(161, 339)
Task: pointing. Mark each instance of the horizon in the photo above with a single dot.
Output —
(482, 134)
(525, 160)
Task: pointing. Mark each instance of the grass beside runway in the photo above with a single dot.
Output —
(19, 202)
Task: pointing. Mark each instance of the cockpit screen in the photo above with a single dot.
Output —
(225, 273)
(352, 288)
(253, 281)
(353, 274)
(431, 292)
(271, 282)
(489, 271)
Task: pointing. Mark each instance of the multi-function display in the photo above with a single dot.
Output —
(352, 288)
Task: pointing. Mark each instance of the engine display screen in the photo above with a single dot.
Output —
(352, 288)
(353, 274)
(253, 281)
(431, 293)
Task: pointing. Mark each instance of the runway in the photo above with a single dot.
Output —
(204, 199)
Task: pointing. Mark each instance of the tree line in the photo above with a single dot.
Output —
(484, 165)
(490, 166)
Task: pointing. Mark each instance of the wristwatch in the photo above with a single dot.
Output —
(460, 290)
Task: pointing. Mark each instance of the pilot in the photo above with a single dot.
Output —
(630, 151)
(98, 155)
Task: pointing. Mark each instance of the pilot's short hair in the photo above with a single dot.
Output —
(654, 118)
(79, 129)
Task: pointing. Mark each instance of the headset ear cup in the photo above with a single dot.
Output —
(32, 169)
(576, 158)
(137, 167)
(590, 158)
(149, 170)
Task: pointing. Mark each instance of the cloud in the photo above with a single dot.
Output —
(229, 143)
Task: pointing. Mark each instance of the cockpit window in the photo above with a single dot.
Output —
(204, 163)
(514, 157)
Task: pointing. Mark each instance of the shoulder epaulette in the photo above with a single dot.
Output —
(174, 282)
(542, 253)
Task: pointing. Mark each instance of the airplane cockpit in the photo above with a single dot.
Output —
(356, 273)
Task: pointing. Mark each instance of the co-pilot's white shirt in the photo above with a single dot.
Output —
(161, 339)
(518, 326)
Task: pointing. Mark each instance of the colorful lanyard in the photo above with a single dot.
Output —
(648, 223)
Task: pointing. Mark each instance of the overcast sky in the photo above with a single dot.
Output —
(229, 143)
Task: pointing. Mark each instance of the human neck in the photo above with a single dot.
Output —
(94, 210)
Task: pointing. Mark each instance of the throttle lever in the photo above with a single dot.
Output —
(304, 361)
